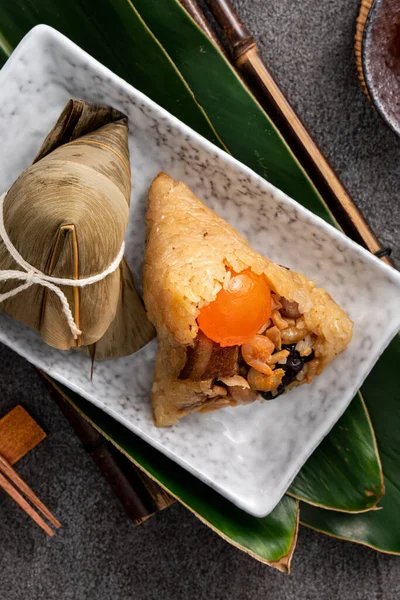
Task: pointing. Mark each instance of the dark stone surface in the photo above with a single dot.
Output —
(98, 553)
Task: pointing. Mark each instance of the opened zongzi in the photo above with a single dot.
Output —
(232, 325)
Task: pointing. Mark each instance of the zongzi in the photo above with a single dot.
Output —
(62, 270)
(232, 326)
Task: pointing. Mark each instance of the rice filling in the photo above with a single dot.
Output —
(269, 365)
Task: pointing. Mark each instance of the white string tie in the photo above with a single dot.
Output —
(32, 276)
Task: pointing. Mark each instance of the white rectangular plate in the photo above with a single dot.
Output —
(252, 453)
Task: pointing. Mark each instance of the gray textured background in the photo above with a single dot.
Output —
(98, 553)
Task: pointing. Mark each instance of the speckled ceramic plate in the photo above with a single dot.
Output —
(249, 454)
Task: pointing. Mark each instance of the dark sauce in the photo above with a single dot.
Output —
(382, 58)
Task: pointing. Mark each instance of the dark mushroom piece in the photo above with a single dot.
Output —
(290, 309)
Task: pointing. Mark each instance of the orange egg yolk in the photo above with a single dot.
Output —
(239, 311)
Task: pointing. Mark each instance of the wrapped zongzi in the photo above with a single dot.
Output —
(64, 221)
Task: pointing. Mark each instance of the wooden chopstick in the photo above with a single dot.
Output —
(20, 500)
(246, 57)
(8, 470)
(194, 10)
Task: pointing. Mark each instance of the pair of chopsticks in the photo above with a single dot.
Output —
(11, 482)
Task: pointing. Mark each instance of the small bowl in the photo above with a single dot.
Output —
(378, 34)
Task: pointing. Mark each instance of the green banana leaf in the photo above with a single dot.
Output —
(5, 51)
(123, 51)
(345, 464)
(237, 117)
(113, 32)
(378, 529)
(271, 539)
